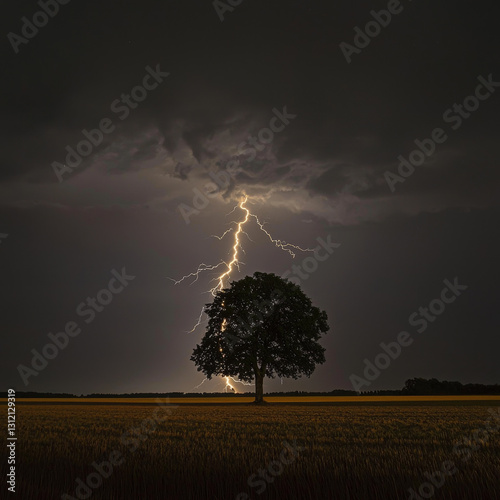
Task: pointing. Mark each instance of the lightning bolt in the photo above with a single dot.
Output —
(199, 385)
(233, 264)
(230, 386)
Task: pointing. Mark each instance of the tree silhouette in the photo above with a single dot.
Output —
(261, 326)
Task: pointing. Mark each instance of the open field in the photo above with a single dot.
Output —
(350, 451)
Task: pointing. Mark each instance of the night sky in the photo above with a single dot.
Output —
(322, 174)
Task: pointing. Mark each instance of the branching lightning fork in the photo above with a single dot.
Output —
(235, 263)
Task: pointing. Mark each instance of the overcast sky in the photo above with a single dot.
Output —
(344, 115)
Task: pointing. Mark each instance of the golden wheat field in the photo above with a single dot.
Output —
(369, 451)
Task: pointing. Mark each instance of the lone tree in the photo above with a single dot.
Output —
(261, 326)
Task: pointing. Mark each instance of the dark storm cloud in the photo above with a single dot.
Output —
(182, 171)
(329, 182)
(364, 114)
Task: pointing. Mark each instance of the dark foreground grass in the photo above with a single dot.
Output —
(209, 452)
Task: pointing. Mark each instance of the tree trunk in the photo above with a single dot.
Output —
(259, 387)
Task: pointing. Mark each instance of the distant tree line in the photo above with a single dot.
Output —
(383, 392)
(423, 387)
(412, 387)
(336, 392)
(21, 394)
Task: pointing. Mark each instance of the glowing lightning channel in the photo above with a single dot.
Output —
(237, 381)
(202, 267)
(235, 263)
(224, 234)
(202, 382)
(280, 243)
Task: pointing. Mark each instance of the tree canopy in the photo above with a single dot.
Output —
(261, 326)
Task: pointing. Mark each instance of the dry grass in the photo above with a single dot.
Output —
(208, 452)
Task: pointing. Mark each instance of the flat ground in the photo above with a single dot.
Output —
(351, 448)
